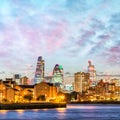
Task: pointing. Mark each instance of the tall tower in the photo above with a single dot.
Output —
(57, 76)
(81, 81)
(92, 72)
(39, 74)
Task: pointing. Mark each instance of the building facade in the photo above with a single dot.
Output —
(57, 76)
(81, 81)
(7, 91)
(39, 73)
(11, 92)
(24, 81)
(48, 90)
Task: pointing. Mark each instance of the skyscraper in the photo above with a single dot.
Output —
(92, 72)
(39, 74)
(81, 81)
(57, 77)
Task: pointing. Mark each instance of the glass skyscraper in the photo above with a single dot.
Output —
(39, 73)
(57, 77)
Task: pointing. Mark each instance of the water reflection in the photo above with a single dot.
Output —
(20, 112)
(72, 112)
(80, 107)
(61, 110)
(3, 112)
(61, 113)
(35, 110)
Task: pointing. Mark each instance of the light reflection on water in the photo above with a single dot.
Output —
(61, 109)
(3, 112)
(35, 110)
(20, 112)
(72, 112)
(81, 107)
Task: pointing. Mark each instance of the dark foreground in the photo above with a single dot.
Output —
(31, 106)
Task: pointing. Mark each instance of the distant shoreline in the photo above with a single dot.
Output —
(15, 106)
(24, 106)
(95, 102)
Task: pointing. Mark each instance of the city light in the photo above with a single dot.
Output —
(54, 90)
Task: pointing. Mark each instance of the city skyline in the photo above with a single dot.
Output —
(65, 32)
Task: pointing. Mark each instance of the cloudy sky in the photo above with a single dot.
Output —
(65, 32)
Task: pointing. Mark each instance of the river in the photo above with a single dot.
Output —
(72, 112)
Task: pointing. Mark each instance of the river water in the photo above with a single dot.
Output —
(72, 112)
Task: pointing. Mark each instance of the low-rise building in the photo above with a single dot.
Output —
(24, 81)
(45, 89)
(16, 93)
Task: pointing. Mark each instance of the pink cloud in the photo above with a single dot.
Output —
(56, 38)
(113, 56)
(43, 39)
(115, 49)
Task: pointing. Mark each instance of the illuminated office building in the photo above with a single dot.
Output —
(57, 76)
(92, 72)
(81, 82)
(39, 74)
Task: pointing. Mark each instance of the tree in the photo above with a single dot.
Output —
(5, 100)
(73, 95)
(41, 98)
(28, 97)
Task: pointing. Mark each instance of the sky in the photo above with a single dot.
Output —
(65, 32)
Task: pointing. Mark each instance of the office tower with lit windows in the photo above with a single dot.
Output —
(81, 82)
(92, 72)
(39, 73)
(57, 76)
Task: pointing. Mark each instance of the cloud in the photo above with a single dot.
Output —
(77, 5)
(115, 18)
(88, 41)
(68, 27)
(113, 56)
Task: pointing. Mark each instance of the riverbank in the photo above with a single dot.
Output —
(95, 102)
(31, 106)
